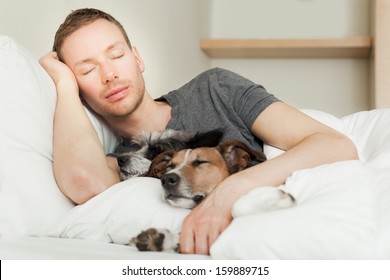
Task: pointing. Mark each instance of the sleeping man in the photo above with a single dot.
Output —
(93, 60)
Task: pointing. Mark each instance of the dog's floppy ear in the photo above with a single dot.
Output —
(206, 139)
(158, 166)
(238, 156)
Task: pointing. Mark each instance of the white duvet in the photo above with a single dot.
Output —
(343, 209)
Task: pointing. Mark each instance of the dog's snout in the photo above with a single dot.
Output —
(170, 180)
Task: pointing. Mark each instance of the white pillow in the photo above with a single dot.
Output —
(120, 213)
(371, 129)
(107, 137)
(29, 197)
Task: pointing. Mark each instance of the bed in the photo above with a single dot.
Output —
(342, 212)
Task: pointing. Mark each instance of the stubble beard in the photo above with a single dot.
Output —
(121, 109)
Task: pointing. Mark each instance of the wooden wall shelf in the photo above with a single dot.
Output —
(354, 47)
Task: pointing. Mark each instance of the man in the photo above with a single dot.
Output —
(94, 57)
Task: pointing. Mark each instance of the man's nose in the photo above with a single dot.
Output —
(109, 74)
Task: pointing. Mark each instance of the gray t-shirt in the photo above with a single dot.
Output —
(219, 98)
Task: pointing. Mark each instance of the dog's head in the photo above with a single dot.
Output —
(134, 155)
(189, 175)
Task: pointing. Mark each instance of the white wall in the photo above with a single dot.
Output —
(167, 34)
(338, 86)
(289, 18)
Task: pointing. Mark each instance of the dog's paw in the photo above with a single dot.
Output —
(262, 199)
(156, 240)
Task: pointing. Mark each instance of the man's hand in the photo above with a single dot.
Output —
(58, 71)
(208, 220)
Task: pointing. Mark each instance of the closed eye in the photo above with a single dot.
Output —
(170, 166)
(199, 162)
(87, 70)
(117, 54)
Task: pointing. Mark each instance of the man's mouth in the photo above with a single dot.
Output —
(117, 94)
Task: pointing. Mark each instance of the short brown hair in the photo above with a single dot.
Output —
(79, 18)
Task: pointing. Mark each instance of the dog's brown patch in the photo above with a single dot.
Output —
(202, 168)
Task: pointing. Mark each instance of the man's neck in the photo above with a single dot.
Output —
(149, 116)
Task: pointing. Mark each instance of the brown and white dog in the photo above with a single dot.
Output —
(189, 175)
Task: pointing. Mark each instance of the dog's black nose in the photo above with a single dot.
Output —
(170, 180)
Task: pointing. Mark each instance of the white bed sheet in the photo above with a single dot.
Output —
(46, 248)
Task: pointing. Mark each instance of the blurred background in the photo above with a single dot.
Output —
(167, 34)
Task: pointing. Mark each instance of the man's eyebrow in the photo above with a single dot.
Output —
(113, 46)
(110, 47)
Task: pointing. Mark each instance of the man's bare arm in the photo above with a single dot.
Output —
(80, 165)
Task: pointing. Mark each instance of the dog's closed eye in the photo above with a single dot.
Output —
(199, 162)
(170, 166)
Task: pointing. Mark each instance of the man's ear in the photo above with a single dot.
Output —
(137, 56)
(206, 139)
(158, 167)
(238, 156)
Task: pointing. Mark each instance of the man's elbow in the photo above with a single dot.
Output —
(349, 149)
(80, 186)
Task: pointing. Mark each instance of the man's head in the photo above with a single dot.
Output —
(107, 68)
(79, 18)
